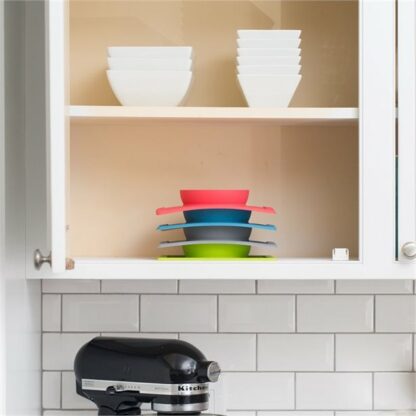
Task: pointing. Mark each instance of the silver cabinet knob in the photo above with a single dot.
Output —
(39, 259)
(409, 250)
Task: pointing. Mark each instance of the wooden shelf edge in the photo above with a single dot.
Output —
(291, 115)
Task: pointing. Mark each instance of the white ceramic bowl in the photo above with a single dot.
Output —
(150, 88)
(268, 43)
(268, 51)
(147, 64)
(268, 60)
(150, 51)
(269, 90)
(269, 34)
(269, 69)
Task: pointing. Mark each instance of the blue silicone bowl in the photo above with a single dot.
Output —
(217, 215)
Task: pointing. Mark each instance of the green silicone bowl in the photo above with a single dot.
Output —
(216, 250)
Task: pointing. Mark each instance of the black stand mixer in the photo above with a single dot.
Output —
(120, 374)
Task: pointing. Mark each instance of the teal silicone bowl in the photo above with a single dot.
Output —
(216, 250)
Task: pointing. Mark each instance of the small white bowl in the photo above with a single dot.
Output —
(268, 52)
(269, 34)
(269, 69)
(150, 88)
(148, 64)
(150, 51)
(268, 60)
(268, 43)
(269, 90)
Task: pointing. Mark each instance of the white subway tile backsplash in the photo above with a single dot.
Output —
(295, 286)
(378, 413)
(280, 343)
(51, 312)
(241, 413)
(51, 390)
(374, 352)
(334, 313)
(217, 286)
(168, 335)
(234, 352)
(295, 413)
(178, 313)
(70, 286)
(332, 391)
(259, 391)
(139, 286)
(375, 286)
(395, 313)
(394, 391)
(100, 313)
(59, 350)
(70, 413)
(297, 352)
(260, 313)
(70, 398)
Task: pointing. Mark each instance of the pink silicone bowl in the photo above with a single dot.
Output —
(214, 196)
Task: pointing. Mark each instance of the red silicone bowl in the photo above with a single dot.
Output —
(214, 196)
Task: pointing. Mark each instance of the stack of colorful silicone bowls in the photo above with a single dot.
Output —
(216, 224)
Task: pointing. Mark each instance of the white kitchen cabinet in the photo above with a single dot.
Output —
(327, 163)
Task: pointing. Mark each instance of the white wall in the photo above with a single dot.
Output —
(22, 298)
(287, 348)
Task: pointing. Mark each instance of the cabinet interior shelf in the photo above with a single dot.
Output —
(284, 116)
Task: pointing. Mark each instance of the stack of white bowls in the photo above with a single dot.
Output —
(268, 66)
(150, 75)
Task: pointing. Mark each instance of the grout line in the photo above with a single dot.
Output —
(256, 287)
(61, 390)
(413, 352)
(335, 352)
(372, 391)
(295, 404)
(335, 287)
(374, 313)
(177, 286)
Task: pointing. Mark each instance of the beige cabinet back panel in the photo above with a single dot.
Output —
(329, 45)
(121, 173)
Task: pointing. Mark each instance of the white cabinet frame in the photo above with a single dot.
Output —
(377, 174)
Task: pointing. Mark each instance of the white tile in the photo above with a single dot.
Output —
(100, 312)
(375, 286)
(178, 313)
(217, 286)
(241, 413)
(51, 390)
(70, 398)
(335, 313)
(294, 413)
(59, 350)
(394, 391)
(374, 352)
(163, 335)
(295, 286)
(260, 391)
(395, 313)
(259, 313)
(70, 413)
(70, 286)
(378, 413)
(139, 286)
(297, 352)
(51, 312)
(234, 352)
(332, 391)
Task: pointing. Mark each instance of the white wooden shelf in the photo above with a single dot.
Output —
(295, 115)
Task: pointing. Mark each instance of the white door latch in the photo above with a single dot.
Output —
(340, 254)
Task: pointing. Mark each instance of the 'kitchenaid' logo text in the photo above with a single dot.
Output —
(187, 387)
